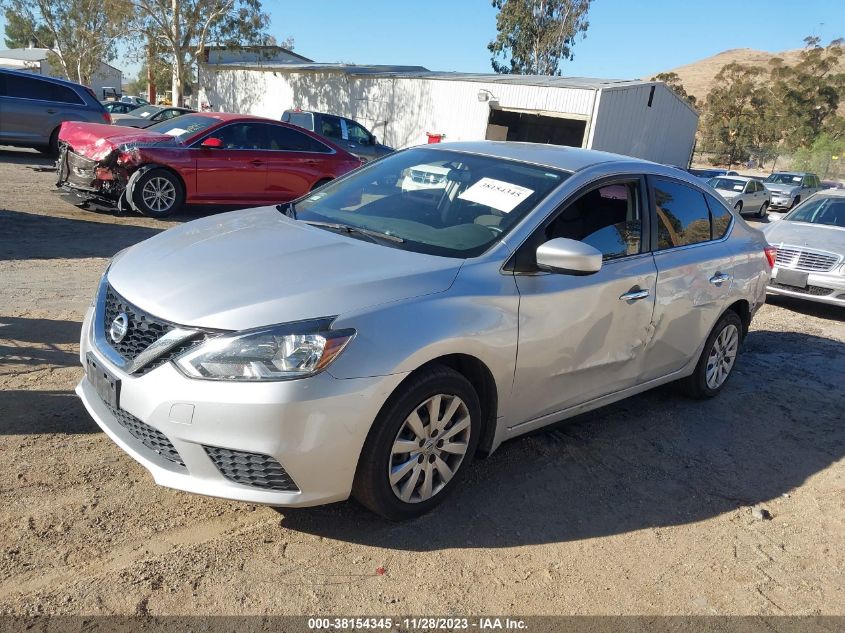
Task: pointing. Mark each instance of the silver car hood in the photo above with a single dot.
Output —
(789, 190)
(258, 267)
(818, 236)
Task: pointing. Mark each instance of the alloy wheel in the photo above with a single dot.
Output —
(722, 356)
(158, 194)
(429, 448)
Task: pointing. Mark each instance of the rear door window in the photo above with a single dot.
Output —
(40, 90)
(683, 217)
(280, 138)
(330, 127)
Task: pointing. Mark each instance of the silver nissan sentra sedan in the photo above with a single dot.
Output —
(370, 338)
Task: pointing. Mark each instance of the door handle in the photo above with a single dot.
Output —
(719, 278)
(51, 111)
(634, 294)
(256, 162)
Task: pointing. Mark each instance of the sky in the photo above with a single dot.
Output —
(627, 39)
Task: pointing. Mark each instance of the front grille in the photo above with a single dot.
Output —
(816, 291)
(143, 330)
(803, 259)
(152, 438)
(251, 469)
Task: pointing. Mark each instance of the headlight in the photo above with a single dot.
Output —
(278, 352)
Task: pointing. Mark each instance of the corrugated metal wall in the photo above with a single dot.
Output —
(625, 124)
(400, 111)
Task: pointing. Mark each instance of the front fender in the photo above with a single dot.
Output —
(477, 316)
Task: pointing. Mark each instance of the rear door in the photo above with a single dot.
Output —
(582, 337)
(694, 273)
(295, 162)
(236, 172)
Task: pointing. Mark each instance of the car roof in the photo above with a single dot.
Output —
(53, 80)
(556, 156)
(735, 177)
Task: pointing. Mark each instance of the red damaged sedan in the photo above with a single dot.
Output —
(201, 158)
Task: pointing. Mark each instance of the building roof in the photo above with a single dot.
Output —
(258, 47)
(420, 72)
(25, 54)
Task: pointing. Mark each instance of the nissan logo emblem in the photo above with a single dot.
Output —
(119, 327)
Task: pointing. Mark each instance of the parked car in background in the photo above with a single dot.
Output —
(33, 107)
(707, 174)
(346, 133)
(148, 115)
(790, 188)
(746, 195)
(134, 100)
(118, 107)
(363, 340)
(832, 184)
(810, 242)
(202, 158)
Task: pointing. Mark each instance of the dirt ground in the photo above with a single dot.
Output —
(640, 508)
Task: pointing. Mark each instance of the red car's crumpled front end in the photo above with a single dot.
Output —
(96, 160)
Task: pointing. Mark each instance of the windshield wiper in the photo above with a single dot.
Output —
(287, 208)
(348, 228)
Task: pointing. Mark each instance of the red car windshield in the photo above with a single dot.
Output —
(184, 126)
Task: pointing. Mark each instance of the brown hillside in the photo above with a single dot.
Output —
(698, 76)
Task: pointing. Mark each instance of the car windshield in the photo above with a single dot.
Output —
(432, 201)
(183, 126)
(785, 179)
(727, 184)
(826, 211)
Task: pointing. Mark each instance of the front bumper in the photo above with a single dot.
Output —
(821, 287)
(314, 427)
(781, 202)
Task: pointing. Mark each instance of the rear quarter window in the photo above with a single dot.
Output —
(720, 217)
(40, 90)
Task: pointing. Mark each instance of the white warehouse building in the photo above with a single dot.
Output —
(405, 106)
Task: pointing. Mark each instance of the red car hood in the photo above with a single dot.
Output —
(97, 140)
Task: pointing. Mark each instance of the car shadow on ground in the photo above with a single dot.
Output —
(808, 308)
(30, 347)
(652, 461)
(23, 156)
(34, 236)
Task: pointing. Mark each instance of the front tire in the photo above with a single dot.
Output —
(420, 445)
(718, 359)
(764, 210)
(157, 194)
(738, 207)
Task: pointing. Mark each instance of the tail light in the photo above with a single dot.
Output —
(771, 254)
(107, 118)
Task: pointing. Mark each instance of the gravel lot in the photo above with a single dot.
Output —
(641, 508)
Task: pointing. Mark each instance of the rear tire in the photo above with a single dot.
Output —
(412, 459)
(718, 359)
(157, 194)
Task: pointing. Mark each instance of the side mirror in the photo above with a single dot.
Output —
(373, 140)
(568, 257)
(212, 143)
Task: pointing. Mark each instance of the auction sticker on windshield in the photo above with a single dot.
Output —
(177, 131)
(498, 194)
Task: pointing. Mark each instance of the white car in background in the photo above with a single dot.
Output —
(746, 195)
(425, 177)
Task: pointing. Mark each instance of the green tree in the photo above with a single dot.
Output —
(824, 156)
(735, 113)
(674, 83)
(21, 31)
(535, 36)
(181, 29)
(807, 95)
(83, 32)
